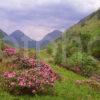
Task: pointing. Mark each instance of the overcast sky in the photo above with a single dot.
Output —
(36, 18)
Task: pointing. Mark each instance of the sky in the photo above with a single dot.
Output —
(36, 18)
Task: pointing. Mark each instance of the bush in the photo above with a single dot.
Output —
(71, 47)
(2, 44)
(1, 55)
(58, 55)
(95, 49)
(9, 51)
(31, 81)
(86, 65)
(25, 62)
(92, 83)
(85, 39)
(49, 50)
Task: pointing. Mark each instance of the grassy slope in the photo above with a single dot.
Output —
(64, 90)
(91, 25)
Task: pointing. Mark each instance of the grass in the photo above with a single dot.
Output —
(64, 90)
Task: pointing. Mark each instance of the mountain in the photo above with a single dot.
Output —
(21, 40)
(50, 37)
(2, 34)
(89, 25)
(84, 32)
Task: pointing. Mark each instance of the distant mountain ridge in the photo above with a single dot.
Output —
(22, 40)
(19, 39)
(50, 37)
(89, 25)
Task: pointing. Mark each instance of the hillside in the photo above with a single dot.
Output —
(2, 34)
(22, 40)
(49, 38)
(66, 88)
(79, 45)
(90, 24)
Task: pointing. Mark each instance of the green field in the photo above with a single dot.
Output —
(66, 89)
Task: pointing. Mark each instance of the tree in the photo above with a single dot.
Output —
(49, 50)
(58, 55)
(95, 49)
(1, 44)
(85, 38)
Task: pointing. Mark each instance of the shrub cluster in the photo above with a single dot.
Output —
(25, 62)
(32, 78)
(82, 63)
(9, 51)
(30, 81)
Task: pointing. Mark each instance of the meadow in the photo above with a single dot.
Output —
(68, 87)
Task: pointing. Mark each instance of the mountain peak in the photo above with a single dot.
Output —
(57, 31)
(50, 37)
(53, 34)
(18, 32)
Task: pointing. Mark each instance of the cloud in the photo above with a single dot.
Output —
(29, 4)
(38, 17)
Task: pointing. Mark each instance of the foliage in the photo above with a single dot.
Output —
(9, 51)
(92, 83)
(58, 55)
(71, 47)
(25, 62)
(85, 63)
(2, 45)
(31, 81)
(85, 38)
(1, 55)
(98, 15)
(49, 50)
(95, 49)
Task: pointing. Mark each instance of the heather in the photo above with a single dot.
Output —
(26, 75)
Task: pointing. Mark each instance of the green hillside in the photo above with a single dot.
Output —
(66, 88)
(79, 47)
(90, 24)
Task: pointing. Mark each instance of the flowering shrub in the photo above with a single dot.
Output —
(31, 81)
(9, 74)
(9, 51)
(25, 62)
(92, 83)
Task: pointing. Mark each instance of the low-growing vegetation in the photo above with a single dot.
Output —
(30, 76)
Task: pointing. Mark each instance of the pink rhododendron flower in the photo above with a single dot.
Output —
(33, 78)
(9, 74)
(9, 51)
